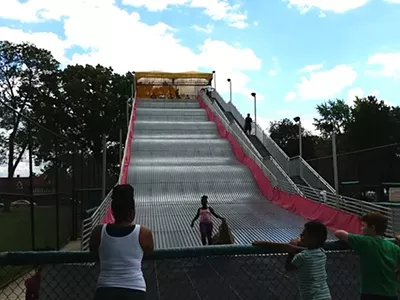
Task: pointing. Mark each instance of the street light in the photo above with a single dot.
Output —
(133, 88)
(215, 79)
(331, 128)
(254, 95)
(298, 120)
(230, 90)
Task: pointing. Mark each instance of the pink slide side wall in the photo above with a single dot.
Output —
(333, 218)
(108, 217)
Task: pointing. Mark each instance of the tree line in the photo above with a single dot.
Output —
(81, 103)
(78, 103)
(367, 135)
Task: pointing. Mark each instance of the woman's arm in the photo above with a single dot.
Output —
(214, 214)
(146, 240)
(94, 242)
(196, 217)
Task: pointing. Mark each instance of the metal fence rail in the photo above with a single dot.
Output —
(215, 272)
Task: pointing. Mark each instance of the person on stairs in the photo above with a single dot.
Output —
(120, 248)
(247, 125)
(206, 225)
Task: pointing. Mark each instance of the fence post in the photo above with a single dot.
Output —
(57, 195)
(74, 219)
(32, 206)
(104, 168)
(81, 192)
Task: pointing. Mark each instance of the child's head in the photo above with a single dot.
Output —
(373, 224)
(204, 200)
(314, 235)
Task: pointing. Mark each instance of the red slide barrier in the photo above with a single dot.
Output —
(108, 217)
(333, 218)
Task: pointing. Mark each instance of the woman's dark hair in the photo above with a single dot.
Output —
(123, 202)
(204, 197)
(318, 231)
(376, 220)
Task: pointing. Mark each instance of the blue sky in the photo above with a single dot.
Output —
(295, 54)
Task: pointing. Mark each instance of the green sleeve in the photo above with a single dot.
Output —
(357, 242)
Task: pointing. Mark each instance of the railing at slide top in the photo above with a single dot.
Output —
(290, 165)
(351, 205)
(89, 223)
(214, 272)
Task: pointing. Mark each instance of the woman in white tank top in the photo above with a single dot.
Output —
(120, 248)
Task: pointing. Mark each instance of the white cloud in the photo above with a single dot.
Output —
(46, 40)
(353, 93)
(208, 29)
(374, 92)
(264, 123)
(358, 92)
(154, 5)
(42, 10)
(311, 68)
(272, 72)
(275, 67)
(95, 25)
(335, 6)
(290, 96)
(389, 64)
(325, 84)
(284, 113)
(221, 10)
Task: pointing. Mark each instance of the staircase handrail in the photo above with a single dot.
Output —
(294, 185)
(245, 148)
(306, 165)
(264, 138)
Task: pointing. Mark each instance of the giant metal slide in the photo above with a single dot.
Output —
(177, 155)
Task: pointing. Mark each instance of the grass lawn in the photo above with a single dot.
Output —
(15, 234)
(15, 228)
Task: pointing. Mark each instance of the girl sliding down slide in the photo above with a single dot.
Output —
(206, 225)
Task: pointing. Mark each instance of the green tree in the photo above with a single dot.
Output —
(286, 134)
(23, 69)
(92, 102)
(375, 124)
(332, 113)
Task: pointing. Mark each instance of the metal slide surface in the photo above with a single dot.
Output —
(177, 156)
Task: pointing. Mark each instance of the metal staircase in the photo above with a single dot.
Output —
(259, 146)
(292, 166)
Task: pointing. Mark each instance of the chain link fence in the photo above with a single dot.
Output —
(224, 272)
(47, 182)
(363, 174)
